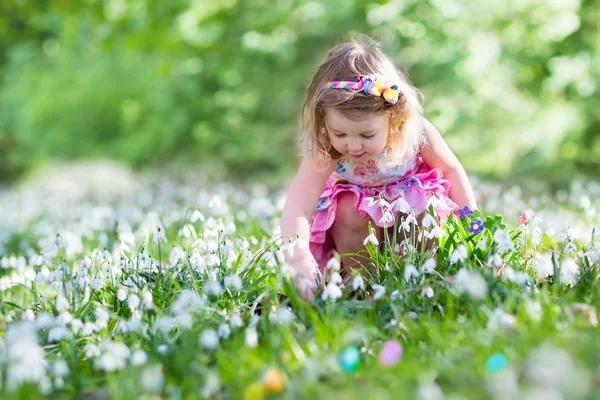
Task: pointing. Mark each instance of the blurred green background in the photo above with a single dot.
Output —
(512, 85)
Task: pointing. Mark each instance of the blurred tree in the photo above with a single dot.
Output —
(511, 85)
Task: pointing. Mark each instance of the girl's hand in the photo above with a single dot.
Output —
(306, 277)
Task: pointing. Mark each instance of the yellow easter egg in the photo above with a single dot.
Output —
(254, 391)
(273, 381)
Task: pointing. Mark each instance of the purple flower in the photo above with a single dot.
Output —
(465, 212)
(476, 227)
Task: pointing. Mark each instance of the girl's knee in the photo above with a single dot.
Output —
(346, 213)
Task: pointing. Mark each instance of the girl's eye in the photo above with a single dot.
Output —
(368, 137)
(339, 134)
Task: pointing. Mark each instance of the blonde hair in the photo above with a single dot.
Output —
(346, 61)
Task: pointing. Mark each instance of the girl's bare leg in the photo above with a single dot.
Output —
(350, 230)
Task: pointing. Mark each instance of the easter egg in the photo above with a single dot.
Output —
(390, 353)
(255, 391)
(272, 381)
(497, 362)
(349, 359)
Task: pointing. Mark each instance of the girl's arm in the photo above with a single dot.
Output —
(437, 154)
(300, 203)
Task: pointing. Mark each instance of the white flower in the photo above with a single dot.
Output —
(371, 239)
(233, 281)
(428, 266)
(358, 282)
(147, 299)
(499, 320)
(335, 278)
(379, 291)
(139, 357)
(544, 268)
(410, 271)
(437, 233)
(481, 245)
(159, 236)
(401, 205)
(429, 221)
(569, 270)
(459, 254)
(152, 379)
(121, 294)
(333, 264)
(503, 240)
(209, 339)
(495, 260)
(133, 301)
(533, 309)
(224, 330)
(371, 201)
(235, 321)
(213, 288)
(332, 291)
(427, 292)
(61, 368)
(284, 315)
(251, 337)
(386, 218)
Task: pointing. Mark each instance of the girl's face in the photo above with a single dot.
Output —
(360, 139)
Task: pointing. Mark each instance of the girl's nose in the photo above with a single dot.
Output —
(354, 146)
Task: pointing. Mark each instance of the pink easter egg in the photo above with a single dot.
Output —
(390, 353)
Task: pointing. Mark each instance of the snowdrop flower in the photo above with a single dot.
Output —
(503, 240)
(533, 309)
(235, 321)
(233, 281)
(544, 268)
(139, 357)
(437, 233)
(251, 337)
(499, 320)
(410, 271)
(371, 239)
(395, 295)
(213, 288)
(121, 294)
(481, 245)
(133, 302)
(459, 254)
(147, 299)
(61, 368)
(209, 339)
(224, 330)
(429, 221)
(159, 236)
(386, 218)
(495, 260)
(430, 391)
(284, 315)
(26, 362)
(427, 292)
(114, 356)
(358, 282)
(428, 266)
(379, 291)
(401, 205)
(569, 270)
(336, 278)
(333, 264)
(152, 379)
(332, 291)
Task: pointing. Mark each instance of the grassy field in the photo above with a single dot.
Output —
(115, 285)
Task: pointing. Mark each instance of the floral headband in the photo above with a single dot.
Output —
(372, 86)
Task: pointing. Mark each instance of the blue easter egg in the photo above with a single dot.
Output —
(349, 359)
(497, 362)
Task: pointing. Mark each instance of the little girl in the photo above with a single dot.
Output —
(363, 135)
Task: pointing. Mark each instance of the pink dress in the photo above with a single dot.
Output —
(413, 181)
